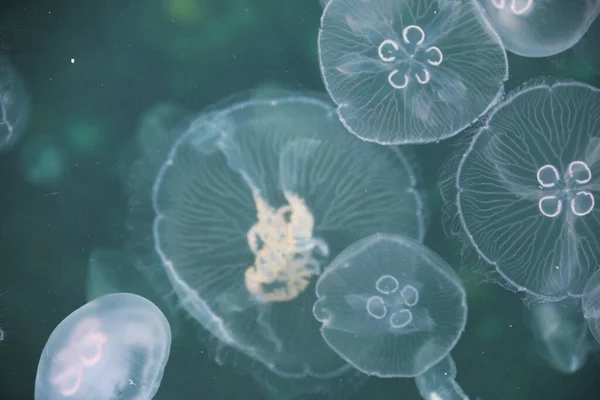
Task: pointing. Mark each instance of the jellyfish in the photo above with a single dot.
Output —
(591, 304)
(250, 204)
(391, 307)
(526, 190)
(560, 334)
(541, 28)
(14, 105)
(439, 382)
(410, 71)
(114, 347)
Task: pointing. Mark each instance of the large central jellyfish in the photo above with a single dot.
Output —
(410, 71)
(250, 205)
(527, 189)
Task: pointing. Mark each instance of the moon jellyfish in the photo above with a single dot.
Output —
(439, 382)
(251, 204)
(527, 188)
(541, 28)
(560, 334)
(410, 71)
(390, 307)
(591, 304)
(14, 105)
(115, 347)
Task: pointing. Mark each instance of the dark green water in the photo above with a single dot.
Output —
(91, 69)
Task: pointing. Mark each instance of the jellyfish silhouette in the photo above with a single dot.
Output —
(116, 346)
(251, 203)
(390, 307)
(591, 304)
(410, 71)
(541, 28)
(526, 189)
(439, 382)
(560, 334)
(14, 105)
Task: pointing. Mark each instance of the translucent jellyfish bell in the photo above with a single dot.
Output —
(14, 105)
(591, 304)
(541, 28)
(251, 204)
(115, 347)
(410, 71)
(527, 189)
(439, 382)
(390, 307)
(560, 334)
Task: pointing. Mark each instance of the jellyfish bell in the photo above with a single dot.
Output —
(591, 304)
(114, 346)
(390, 307)
(526, 189)
(541, 28)
(251, 203)
(410, 71)
(439, 382)
(560, 334)
(14, 105)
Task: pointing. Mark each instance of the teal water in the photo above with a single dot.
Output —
(91, 70)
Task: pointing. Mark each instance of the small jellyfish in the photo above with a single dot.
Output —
(527, 189)
(560, 333)
(390, 306)
(439, 382)
(591, 304)
(251, 203)
(541, 28)
(410, 71)
(14, 105)
(115, 347)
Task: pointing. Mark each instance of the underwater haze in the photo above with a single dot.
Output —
(202, 159)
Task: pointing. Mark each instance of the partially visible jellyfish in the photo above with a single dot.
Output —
(323, 3)
(392, 308)
(251, 203)
(527, 188)
(115, 347)
(439, 382)
(14, 105)
(541, 28)
(591, 304)
(113, 271)
(560, 334)
(410, 71)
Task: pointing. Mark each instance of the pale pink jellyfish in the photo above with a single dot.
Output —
(113, 347)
